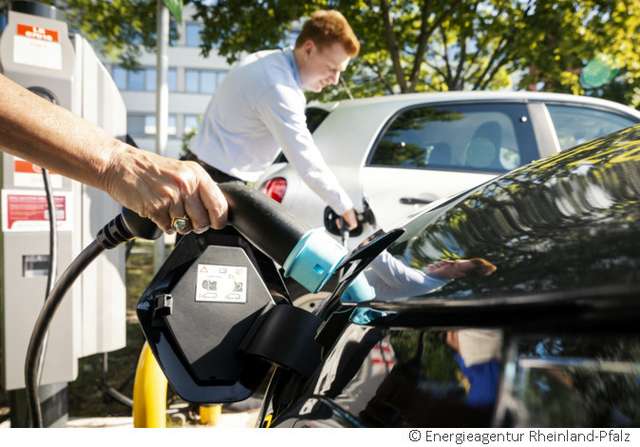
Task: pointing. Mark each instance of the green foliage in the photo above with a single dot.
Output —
(429, 45)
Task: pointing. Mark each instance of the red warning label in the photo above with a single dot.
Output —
(29, 212)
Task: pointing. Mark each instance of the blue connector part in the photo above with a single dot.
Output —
(358, 291)
(364, 316)
(314, 259)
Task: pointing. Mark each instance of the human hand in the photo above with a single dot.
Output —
(162, 188)
(461, 268)
(350, 219)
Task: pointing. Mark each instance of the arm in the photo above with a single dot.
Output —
(391, 278)
(282, 110)
(153, 186)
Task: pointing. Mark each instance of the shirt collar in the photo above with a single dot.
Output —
(288, 52)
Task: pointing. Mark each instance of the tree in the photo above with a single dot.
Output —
(560, 37)
(406, 46)
(426, 45)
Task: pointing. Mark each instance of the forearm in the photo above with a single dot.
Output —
(54, 138)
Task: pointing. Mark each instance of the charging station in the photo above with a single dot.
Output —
(38, 52)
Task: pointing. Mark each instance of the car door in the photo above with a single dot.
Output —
(576, 123)
(433, 151)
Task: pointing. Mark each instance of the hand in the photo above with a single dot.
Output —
(452, 340)
(350, 219)
(450, 269)
(162, 188)
(461, 268)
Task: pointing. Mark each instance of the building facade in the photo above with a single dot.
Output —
(192, 81)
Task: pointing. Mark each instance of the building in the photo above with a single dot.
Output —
(192, 81)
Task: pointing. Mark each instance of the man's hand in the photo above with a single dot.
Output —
(162, 189)
(350, 219)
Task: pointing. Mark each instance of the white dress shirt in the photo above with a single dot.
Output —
(258, 110)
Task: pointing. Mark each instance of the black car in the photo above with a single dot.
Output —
(541, 329)
(513, 304)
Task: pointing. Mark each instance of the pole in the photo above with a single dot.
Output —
(162, 103)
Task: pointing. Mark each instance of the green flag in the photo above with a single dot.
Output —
(175, 8)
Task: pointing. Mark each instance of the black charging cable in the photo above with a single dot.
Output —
(124, 227)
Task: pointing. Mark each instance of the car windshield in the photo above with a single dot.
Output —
(566, 222)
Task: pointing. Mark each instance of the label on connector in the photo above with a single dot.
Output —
(221, 283)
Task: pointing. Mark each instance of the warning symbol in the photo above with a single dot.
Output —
(203, 269)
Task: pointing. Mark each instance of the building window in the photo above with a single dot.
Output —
(172, 80)
(119, 77)
(135, 125)
(191, 123)
(173, 33)
(208, 81)
(192, 81)
(140, 125)
(202, 81)
(136, 80)
(192, 33)
(142, 80)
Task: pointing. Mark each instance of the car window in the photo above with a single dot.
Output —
(315, 117)
(414, 377)
(571, 380)
(474, 137)
(576, 124)
(563, 223)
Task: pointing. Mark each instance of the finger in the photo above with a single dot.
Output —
(214, 202)
(198, 214)
(162, 220)
(177, 210)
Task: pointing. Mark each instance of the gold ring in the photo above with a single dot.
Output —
(181, 224)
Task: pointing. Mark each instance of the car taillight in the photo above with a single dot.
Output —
(275, 188)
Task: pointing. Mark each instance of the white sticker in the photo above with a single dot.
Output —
(38, 47)
(221, 283)
(27, 174)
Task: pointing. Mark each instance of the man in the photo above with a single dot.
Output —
(153, 186)
(260, 109)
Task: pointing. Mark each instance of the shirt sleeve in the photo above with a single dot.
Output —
(391, 278)
(282, 111)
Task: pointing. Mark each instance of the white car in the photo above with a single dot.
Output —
(399, 153)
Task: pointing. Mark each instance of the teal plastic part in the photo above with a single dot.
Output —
(314, 259)
(358, 291)
(364, 315)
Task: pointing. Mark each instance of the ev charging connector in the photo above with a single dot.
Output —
(315, 258)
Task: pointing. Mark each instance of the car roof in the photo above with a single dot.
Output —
(408, 99)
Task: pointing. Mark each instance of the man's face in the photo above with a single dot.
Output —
(320, 67)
